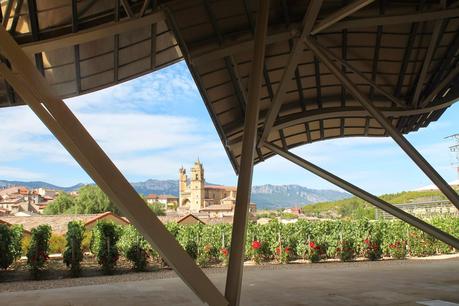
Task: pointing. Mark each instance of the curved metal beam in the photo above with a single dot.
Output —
(340, 112)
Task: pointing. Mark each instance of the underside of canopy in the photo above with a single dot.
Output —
(401, 55)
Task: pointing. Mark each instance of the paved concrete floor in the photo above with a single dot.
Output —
(362, 283)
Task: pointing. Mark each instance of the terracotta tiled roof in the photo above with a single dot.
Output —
(167, 196)
(58, 223)
(226, 220)
(9, 224)
(217, 207)
(190, 215)
(10, 190)
(229, 188)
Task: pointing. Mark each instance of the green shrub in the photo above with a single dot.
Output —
(205, 256)
(421, 244)
(86, 242)
(191, 247)
(257, 250)
(283, 254)
(56, 244)
(10, 244)
(157, 209)
(73, 254)
(346, 250)
(315, 252)
(6, 254)
(105, 236)
(25, 243)
(17, 232)
(37, 254)
(223, 256)
(397, 250)
(134, 247)
(372, 249)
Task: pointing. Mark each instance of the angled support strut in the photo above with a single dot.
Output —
(55, 114)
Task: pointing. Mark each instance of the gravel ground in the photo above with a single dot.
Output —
(57, 276)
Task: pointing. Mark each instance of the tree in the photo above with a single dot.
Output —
(157, 209)
(92, 200)
(62, 204)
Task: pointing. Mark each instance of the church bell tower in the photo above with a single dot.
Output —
(197, 187)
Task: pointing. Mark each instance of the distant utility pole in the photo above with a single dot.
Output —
(455, 149)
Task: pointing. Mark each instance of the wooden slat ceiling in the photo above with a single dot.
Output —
(216, 39)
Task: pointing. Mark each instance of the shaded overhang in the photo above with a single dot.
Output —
(383, 47)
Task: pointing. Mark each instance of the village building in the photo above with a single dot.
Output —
(196, 196)
(151, 198)
(294, 210)
(169, 201)
(19, 199)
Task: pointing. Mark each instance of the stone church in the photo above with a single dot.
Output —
(196, 196)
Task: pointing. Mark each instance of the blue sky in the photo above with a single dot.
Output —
(152, 125)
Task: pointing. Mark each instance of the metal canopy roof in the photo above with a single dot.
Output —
(402, 56)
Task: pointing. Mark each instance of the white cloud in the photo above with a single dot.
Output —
(152, 125)
(19, 174)
(159, 91)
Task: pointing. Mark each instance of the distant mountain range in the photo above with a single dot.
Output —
(280, 196)
(265, 196)
(39, 184)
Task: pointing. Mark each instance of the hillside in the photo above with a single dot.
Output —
(281, 196)
(265, 196)
(355, 207)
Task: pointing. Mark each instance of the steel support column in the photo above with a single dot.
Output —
(244, 185)
(370, 198)
(54, 113)
(406, 146)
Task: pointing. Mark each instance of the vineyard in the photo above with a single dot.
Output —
(209, 244)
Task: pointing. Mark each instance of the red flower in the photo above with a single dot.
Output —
(312, 245)
(367, 241)
(287, 249)
(256, 245)
(224, 252)
(278, 250)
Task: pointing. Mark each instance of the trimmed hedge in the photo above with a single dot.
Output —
(37, 254)
(10, 244)
(73, 254)
(105, 236)
(210, 244)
